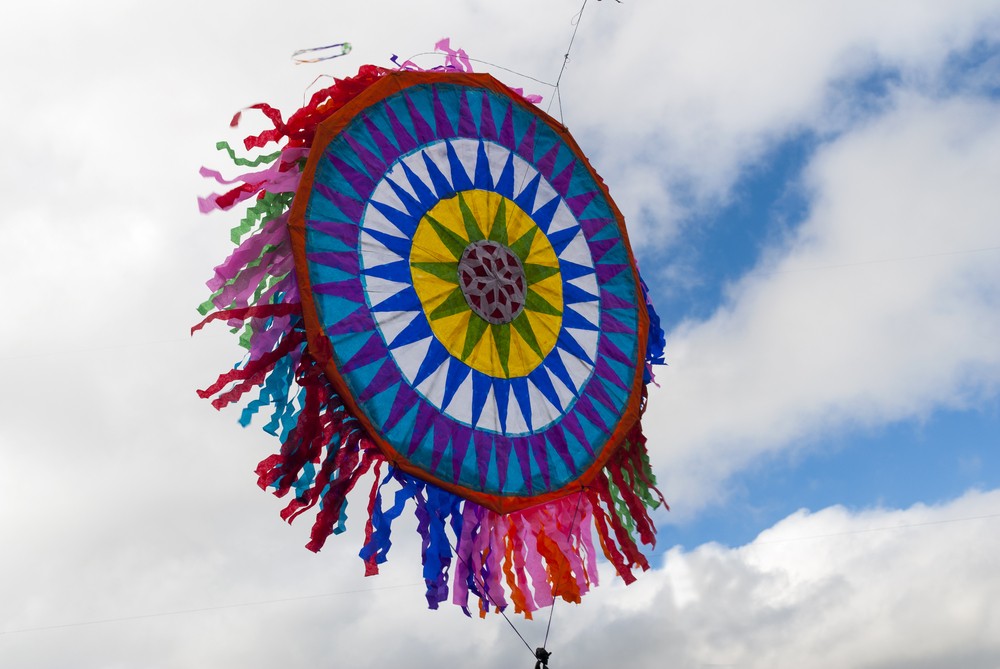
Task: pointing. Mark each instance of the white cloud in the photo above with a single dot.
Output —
(698, 91)
(834, 588)
(122, 494)
(881, 307)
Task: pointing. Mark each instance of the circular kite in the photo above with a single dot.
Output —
(435, 286)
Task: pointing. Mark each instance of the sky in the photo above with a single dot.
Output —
(812, 193)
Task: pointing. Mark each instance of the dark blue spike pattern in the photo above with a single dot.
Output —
(379, 176)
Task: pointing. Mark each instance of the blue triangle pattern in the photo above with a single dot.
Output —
(481, 384)
(403, 221)
(458, 371)
(398, 245)
(426, 198)
(442, 186)
(436, 355)
(418, 330)
(459, 177)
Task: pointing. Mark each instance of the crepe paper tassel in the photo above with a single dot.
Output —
(657, 340)
(345, 48)
(478, 557)
(456, 60)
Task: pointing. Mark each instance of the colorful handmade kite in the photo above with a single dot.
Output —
(434, 284)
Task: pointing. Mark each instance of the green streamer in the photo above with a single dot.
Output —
(267, 208)
(620, 508)
(246, 162)
(209, 304)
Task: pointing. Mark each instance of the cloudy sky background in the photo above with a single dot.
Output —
(813, 193)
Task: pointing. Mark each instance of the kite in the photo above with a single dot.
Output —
(438, 297)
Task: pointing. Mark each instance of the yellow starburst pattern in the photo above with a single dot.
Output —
(458, 227)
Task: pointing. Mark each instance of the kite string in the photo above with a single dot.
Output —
(575, 21)
(555, 586)
(482, 584)
(486, 62)
(576, 26)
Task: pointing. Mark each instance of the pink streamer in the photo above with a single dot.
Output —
(498, 528)
(274, 232)
(281, 177)
(454, 59)
(457, 60)
(460, 591)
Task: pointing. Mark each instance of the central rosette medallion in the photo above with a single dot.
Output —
(492, 279)
(489, 283)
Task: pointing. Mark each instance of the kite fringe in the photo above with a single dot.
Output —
(527, 558)
(531, 556)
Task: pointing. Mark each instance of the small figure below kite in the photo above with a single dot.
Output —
(433, 281)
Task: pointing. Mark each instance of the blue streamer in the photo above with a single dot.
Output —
(436, 551)
(382, 520)
(656, 341)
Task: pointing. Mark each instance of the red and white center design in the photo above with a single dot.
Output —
(492, 280)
